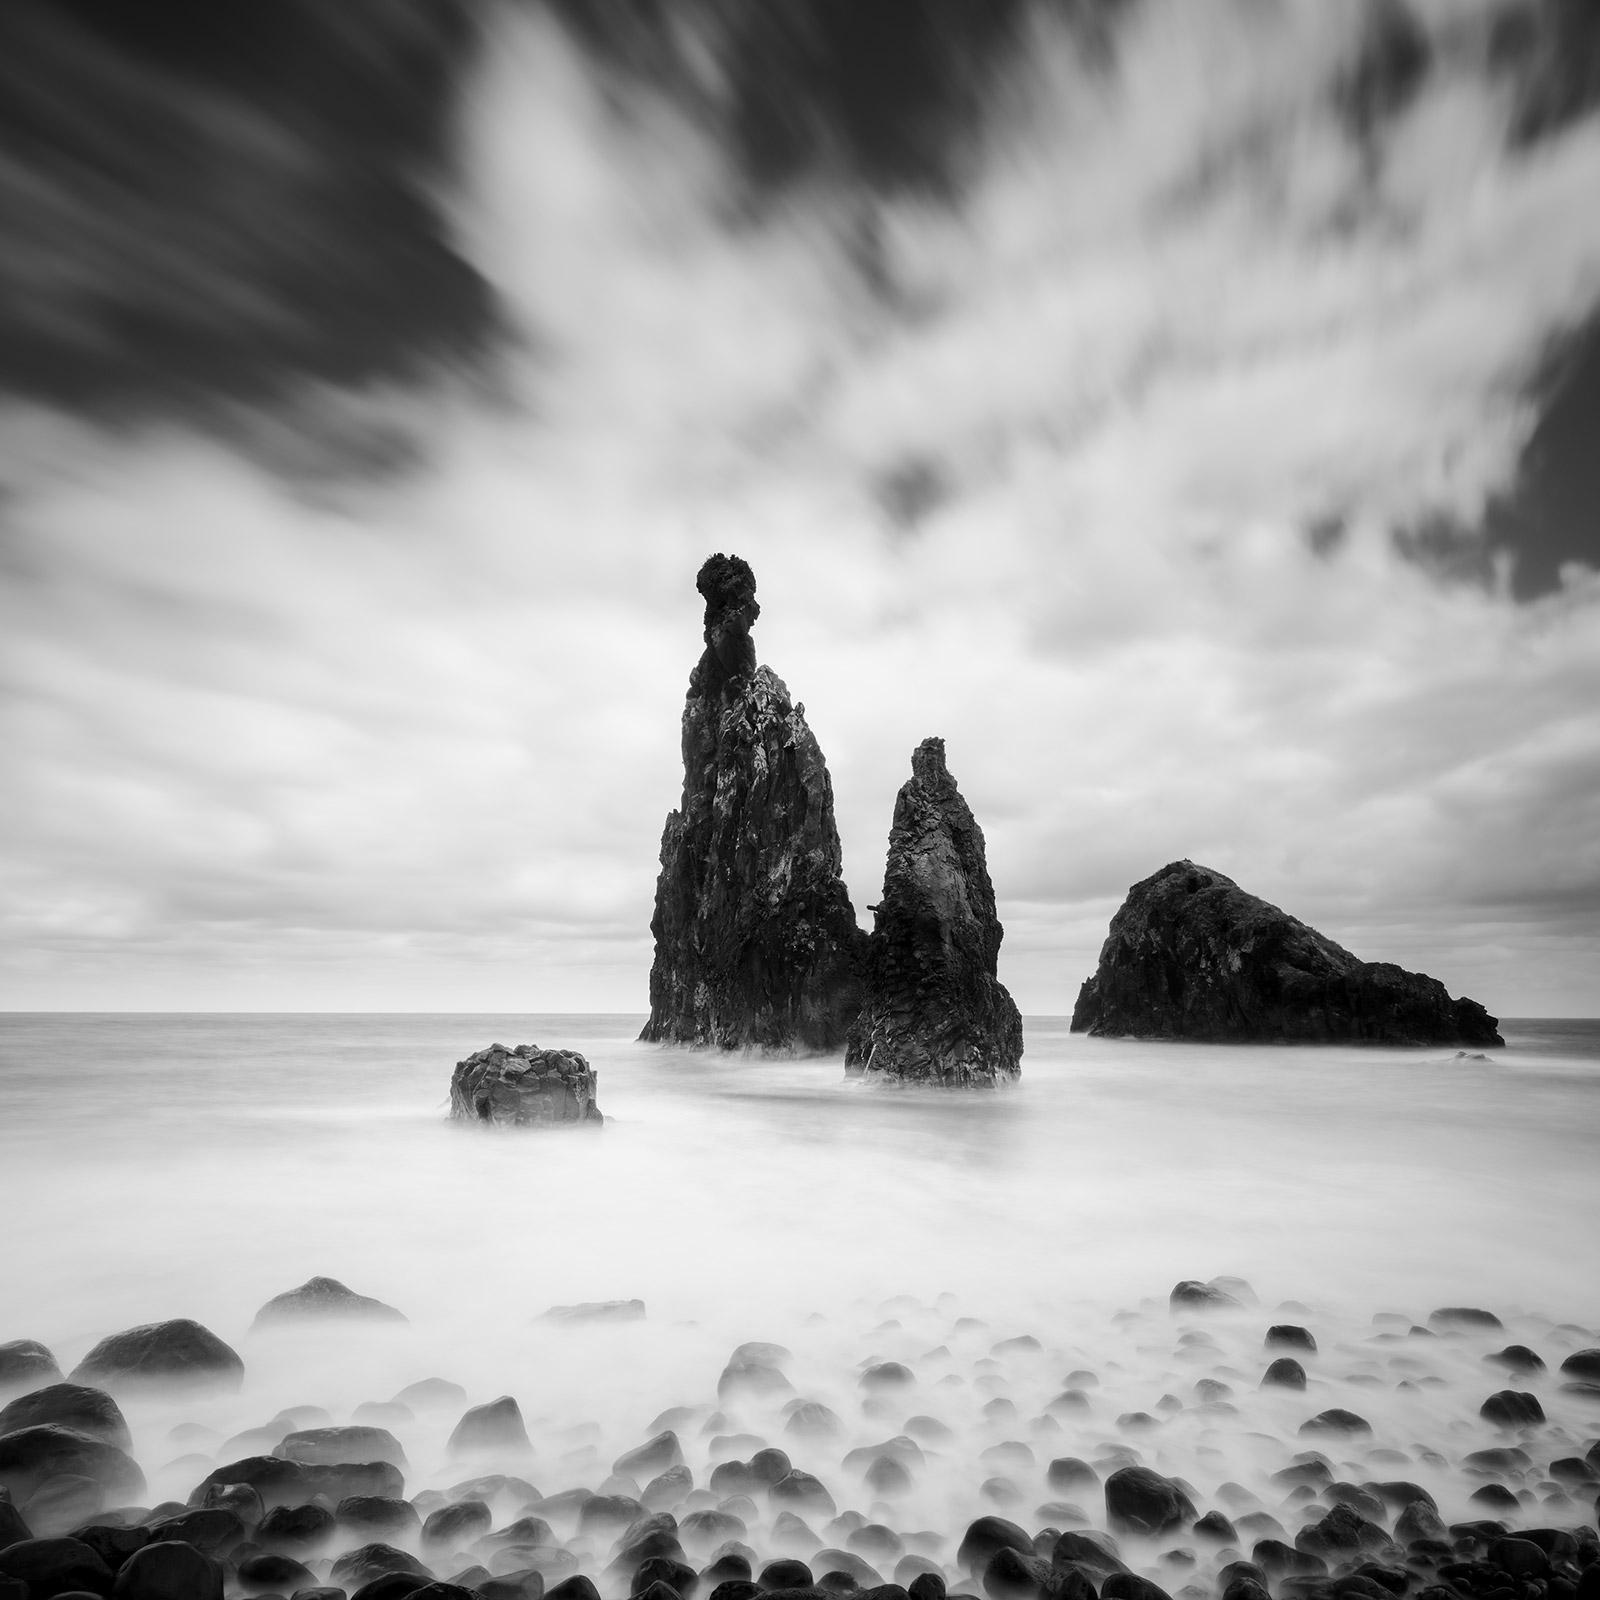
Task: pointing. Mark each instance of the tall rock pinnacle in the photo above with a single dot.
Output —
(756, 941)
(935, 1011)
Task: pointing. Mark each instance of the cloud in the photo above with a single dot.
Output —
(1033, 468)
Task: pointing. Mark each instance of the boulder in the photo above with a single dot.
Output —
(178, 1353)
(495, 1426)
(56, 1566)
(1512, 1408)
(1192, 956)
(328, 1447)
(169, 1569)
(1140, 1500)
(323, 1299)
(756, 943)
(935, 1010)
(29, 1457)
(25, 1363)
(525, 1087)
(72, 1405)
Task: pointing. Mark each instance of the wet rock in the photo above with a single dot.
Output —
(756, 943)
(30, 1456)
(675, 1576)
(13, 1526)
(886, 1375)
(1011, 1575)
(71, 1405)
(169, 1569)
(1191, 1295)
(327, 1447)
(803, 1494)
(596, 1311)
(525, 1087)
(654, 1456)
(667, 1489)
(273, 1571)
(1087, 1552)
(1583, 1364)
(785, 1573)
(1516, 1358)
(165, 1354)
(1130, 1586)
(810, 1419)
(496, 1425)
(1342, 1531)
(112, 1542)
(755, 1379)
(24, 1364)
(1190, 955)
(1071, 1475)
(1465, 1318)
(323, 1299)
(1217, 1528)
(934, 1010)
(790, 1532)
(1336, 1420)
(1494, 1496)
(1140, 1500)
(1509, 1408)
(55, 1567)
(577, 1587)
(985, 1537)
(277, 1481)
(457, 1525)
(210, 1529)
(286, 1529)
(431, 1394)
(375, 1560)
(1289, 1336)
(377, 1516)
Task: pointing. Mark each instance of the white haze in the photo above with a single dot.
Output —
(287, 743)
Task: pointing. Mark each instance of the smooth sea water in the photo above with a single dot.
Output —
(157, 1166)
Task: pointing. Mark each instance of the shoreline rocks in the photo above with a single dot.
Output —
(322, 1299)
(935, 1010)
(1192, 956)
(180, 1352)
(525, 1087)
(756, 943)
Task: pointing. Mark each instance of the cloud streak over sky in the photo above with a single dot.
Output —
(1152, 457)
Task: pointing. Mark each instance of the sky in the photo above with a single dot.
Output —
(1184, 407)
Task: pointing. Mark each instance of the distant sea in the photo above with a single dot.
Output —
(156, 1166)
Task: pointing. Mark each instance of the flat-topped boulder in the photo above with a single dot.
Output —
(935, 1010)
(756, 943)
(1192, 956)
(525, 1087)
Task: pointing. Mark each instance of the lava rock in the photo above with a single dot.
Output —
(496, 1425)
(935, 1010)
(30, 1456)
(756, 943)
(1190, 955)
(174, 1353)
(24, 1363)
(71, 1405)
(525, 1087)
(323, 1299)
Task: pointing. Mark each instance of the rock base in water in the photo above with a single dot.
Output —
(935, 1011)
(525, 1087)
(1192, 956)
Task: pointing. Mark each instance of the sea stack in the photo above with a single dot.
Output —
(1192, 956)
(756, 941)
(935, 1011)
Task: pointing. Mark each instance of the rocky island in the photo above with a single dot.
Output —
(934, 1010)
(1192, 956)
(756, 943)
(525, 1087)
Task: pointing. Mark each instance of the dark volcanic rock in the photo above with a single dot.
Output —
(935, 1011)
(756, 941)
(24, 1363)
(1140, 1500)
(1192, 956)
(178, 1352)
(323, 1298)
(31, 1456)
(71, 1405)
(525, 1087)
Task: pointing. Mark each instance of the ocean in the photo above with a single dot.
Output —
(159, 1166)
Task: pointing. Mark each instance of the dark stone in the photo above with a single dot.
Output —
(609, 1511)
(1418, 1521)
(732, 1589)
(323, 1299)
(161, 1353)
(1011, 1575)
(525, 1087)
(30, 1456)
(926, 1586)
(13, 1526)
(1130, 1586)
(800, 1492)
(831, 1562)
(1191, 1295)
(391, 1586)
(760, 1379)
(1336, 1420)
(728, 1565)
(1509, 1408)
(1191, 955)
(756, 943)
(496, 1425)
(1582, 1364)
(295, 1528)
(209, 1529)
(90, 1411)
(429, 1394)
(934, 1009)
(528, 1585)
(985, 1537)
(1069, 1473)
(577, 1587)
(1342, 1531)
(1284, 1373)
(169, 1569)
(24, 1363)
(271, 1570)
(369, 1561)
(675, 1576)
(1465, 1317)
(667, 1489)
(770, 1466)
(328, 1447)
(278, 1482)
(459, 1524)
(1516, 1358)
(1289, 1336)
(1213, 1525)
(655, 1455)
(377, 1514)
(785, 1574)
(438, 1590)
(111, 1542)
(1140, 1500)
(55, 1566)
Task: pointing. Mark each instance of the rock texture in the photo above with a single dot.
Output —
(756, 942)
(1192, 956)
(935, 1011)
(323, 1299)
(524, 1087)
